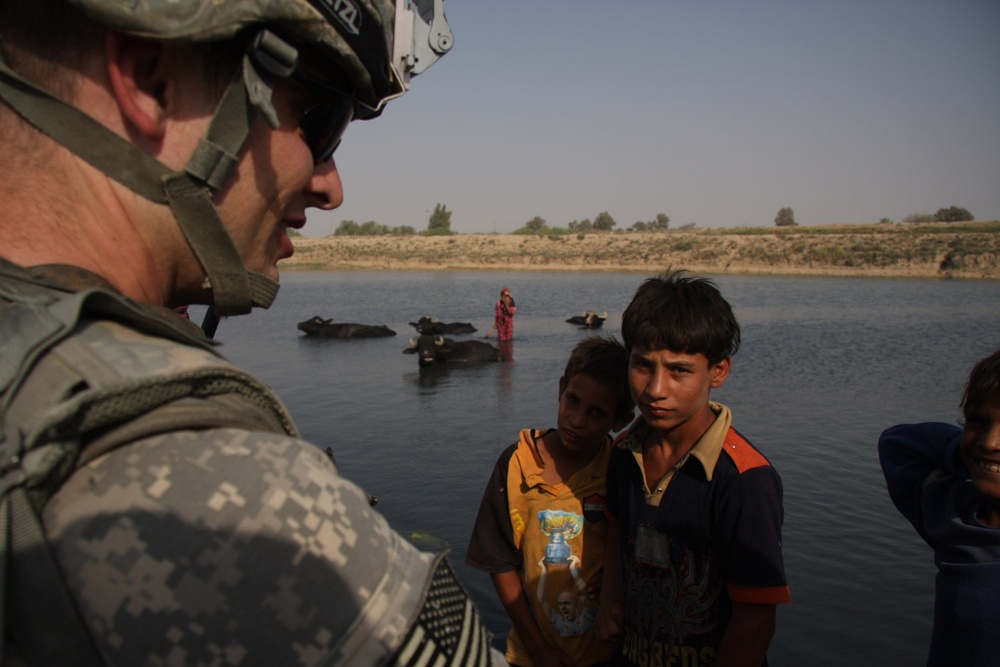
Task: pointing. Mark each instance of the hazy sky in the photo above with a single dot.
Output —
(717, 112)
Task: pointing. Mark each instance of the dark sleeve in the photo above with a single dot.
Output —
(491, 547)
(749, 535)
(612, 502)
(909, 454)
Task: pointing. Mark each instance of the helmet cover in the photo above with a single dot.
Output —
(355, 35)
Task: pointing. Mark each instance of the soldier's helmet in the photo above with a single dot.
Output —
(376, 46)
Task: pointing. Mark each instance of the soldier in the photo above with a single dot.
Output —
(157, 504)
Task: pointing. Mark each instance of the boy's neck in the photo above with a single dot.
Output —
(670, 446)
(560, 463)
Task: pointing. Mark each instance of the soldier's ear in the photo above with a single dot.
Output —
(141, 89)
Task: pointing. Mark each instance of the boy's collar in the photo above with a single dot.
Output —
(706, 451)
(709, 447)
(531, 461)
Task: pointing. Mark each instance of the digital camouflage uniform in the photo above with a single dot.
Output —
(156, 504)
(185, 521)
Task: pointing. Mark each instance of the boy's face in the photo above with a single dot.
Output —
(587, 412)
(980, 446)
(671, 389)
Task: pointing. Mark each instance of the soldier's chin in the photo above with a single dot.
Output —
(271, 270)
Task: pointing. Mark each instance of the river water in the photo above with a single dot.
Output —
(826, 364)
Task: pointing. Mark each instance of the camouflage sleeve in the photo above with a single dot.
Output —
(225, 547)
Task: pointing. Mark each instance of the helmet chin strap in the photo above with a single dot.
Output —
(188, 193)
(236, 289)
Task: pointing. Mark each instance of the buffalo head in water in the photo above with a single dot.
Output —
(320, 328)
(431, 325)
(440, 350)
(589, 320)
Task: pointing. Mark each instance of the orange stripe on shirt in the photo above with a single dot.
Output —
(743, 453)
(754, 595)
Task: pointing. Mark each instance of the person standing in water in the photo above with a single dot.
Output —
(503, 320)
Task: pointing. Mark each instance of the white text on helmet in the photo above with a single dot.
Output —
(346, 13)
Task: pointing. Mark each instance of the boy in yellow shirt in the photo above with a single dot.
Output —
(540, 529)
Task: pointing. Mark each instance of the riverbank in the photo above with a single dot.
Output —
(952, 250)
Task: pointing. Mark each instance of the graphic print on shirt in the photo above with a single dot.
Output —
(573, 612)
(593, 508)
(672, 599)
(560, 527)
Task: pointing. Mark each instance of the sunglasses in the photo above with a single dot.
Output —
(324, 123)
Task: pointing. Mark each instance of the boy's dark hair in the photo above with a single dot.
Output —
(605, 360)
(984, 381)
(678, 312)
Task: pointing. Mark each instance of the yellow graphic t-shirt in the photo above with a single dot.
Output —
(556, 543)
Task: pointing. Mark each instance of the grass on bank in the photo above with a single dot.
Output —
(984, 227)
(930, 249)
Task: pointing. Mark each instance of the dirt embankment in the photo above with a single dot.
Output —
(957, 250)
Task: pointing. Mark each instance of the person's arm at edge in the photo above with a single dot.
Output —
(909, 454)
(610, 624)
(747, 636)
(515, 603)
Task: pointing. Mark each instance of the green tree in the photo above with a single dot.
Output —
(953, 214)
(372, 228)
(582, 226)
(604, 222)
(660, 224)
(403, 230)
(346, 228)
(536, 224)
(785, 218)
(440, 221)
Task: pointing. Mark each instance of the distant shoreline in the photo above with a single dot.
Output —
(949, 251)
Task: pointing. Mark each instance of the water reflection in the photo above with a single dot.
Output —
(428, 377)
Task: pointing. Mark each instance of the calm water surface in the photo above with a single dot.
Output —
(825, 365)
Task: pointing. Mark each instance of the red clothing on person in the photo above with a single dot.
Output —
(504, 321)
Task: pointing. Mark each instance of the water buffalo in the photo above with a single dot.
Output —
(440, 350)
(431, 325)
(589, 320)
(320, 328)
